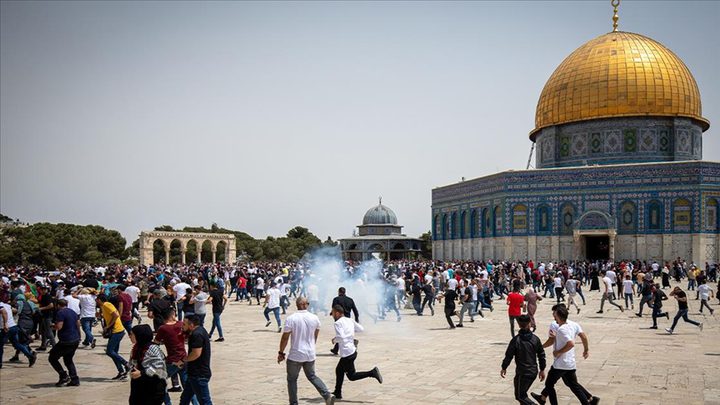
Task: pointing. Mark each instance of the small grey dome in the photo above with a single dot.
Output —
(380, 215)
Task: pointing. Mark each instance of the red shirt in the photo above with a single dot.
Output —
(172, 337)
(242, 282)
(515, 301)
(127, 307)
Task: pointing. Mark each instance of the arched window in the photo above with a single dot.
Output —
(567, 219)
(519, 222)
(473, 223)
(446, 226)
(436, 227)
(487, 223)
(655, 219)
(463, 224)
(453, 226)
(682, 215)
(497, 221)
(711, 215)
(543, 219)
(627, 217)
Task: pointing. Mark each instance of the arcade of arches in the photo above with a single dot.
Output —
(212, 245)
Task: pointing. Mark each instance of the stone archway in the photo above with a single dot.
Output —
(594, 225)
(147, 239)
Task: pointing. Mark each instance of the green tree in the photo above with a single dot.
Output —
(426, 245)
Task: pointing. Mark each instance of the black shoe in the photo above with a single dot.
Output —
(33, 359)
(377, 375)
(74, 382)
(14, 359)
(64, 379)
(220, 339)
(175, 389)
(653, 327)
(638, 315)
(594, 400)
(334, 352)
(459, 325)
(337, 396)
(599, 312)
(120, 376)
(92, 345)
(538, 398)
(667, 315)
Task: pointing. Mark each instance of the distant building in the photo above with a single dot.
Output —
(379, 236)
(618, 130)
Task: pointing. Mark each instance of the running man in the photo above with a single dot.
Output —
(681, 298)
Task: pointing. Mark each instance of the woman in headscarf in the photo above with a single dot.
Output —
(148, 368)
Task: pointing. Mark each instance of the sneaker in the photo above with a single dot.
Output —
(74, 382)
(337, 396)
(175, 389)
(668, 330)
(330, 400)
(377, 375)
(667, 315)
(62, 381)
(334, 352)
(594, 400)
(14, 359)
(599, 312)
(33, 359)
(220, 339)
(700, 326)
(267, 324)
(653, 327)
(120, 376)
(432, 312)
(622, 309)
(578, 311)
(638, 315)
(92, 345)
(459, 325)
(279, 329)
(538, 398)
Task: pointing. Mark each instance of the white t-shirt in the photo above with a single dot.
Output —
(345, 329)
(627, 286)
(73, 303)
(704, 291)
(87, 305)
(612, 276)
(558, 282)
(608, 284)
(302, 326)
(180, 289)
(260, 283)
(8, 311)
(133, 292)
(274, 298)
(200, 301)
(571, 286)
(563, 334)
(452, 284)
(400, 284)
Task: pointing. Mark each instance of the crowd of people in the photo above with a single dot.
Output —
(64, 309)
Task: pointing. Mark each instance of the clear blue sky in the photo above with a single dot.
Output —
(261, 116)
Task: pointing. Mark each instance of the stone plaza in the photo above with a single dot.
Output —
(422, 362)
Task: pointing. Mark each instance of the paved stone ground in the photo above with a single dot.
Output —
(422, 362)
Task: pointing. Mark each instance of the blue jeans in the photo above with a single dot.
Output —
(198, 387)
(171, 371)
(216, 324)
(127, 325)
(112, 349)
(86, 324)
(14, 335)
(276, 311)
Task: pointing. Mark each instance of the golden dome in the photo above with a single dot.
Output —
(618, 74)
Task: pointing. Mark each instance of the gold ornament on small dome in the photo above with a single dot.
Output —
(615, 4)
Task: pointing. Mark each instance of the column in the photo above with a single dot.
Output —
(576, 244)
(183, 255)
(611, 238)
(167, 254)
(214, 251)
(199, 257)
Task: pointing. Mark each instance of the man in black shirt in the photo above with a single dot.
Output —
(198, 362)
(681, 298)
(47, 311)
(348, 306)
(450, 296)
(218, 300)
(528, 351)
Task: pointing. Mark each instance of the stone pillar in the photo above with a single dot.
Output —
(532, 248)
(167, 254)
(611, 238)
(577, 245)
(214, 251)
(698, 250)
(199, 255)
(182, 256)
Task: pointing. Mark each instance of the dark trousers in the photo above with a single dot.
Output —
(656, 313)
(428, 300)
(346, 366)
(683, 313)
(512, 324)
(522, 383)
(449, 312)
(570, 380)
(644, 300)
(66, 350)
